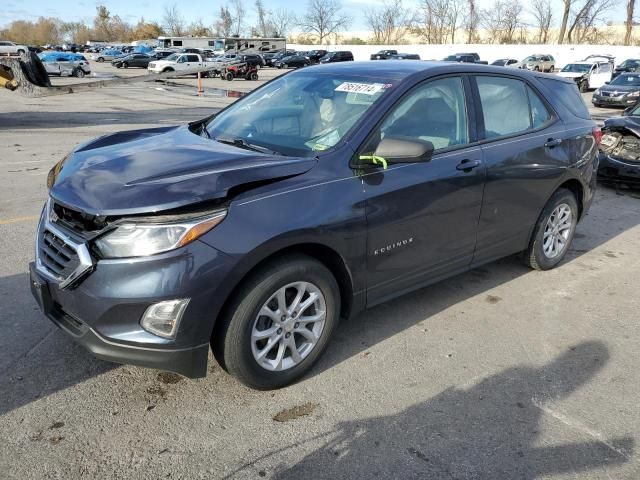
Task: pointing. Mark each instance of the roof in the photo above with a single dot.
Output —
(401, 69)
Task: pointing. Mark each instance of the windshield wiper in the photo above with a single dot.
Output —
(242, 143)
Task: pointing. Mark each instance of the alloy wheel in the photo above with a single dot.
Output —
(557, 231)
(288, 326)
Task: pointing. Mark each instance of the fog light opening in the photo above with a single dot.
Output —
(163, 318)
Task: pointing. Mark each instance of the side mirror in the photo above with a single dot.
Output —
(398, 149)
(606, 83)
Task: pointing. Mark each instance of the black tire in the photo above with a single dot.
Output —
(167, 70)
(100, 59)
(231, 343)
(535, 256)
(536, 69)
(551, 69)
(253, 76)
(125, 65)
(20, 52)
(584, 86)
(34, 70)
(78, 73)
(228, 76)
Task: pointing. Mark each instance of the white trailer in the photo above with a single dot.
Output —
(226, 44)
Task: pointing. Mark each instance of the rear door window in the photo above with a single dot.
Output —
(505, 106)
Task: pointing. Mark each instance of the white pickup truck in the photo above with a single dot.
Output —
(179, 61)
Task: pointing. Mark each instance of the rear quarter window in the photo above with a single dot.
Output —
(567, 95)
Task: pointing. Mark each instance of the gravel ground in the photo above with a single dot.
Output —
(500, 373)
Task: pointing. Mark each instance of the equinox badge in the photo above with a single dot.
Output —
(393, 246)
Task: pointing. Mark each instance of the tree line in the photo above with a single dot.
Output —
(432, 21)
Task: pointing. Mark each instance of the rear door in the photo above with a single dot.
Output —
(422, 218)
(525, 152)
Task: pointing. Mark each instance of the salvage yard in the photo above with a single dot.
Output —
(499, 373)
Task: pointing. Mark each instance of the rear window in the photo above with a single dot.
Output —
(569, 96)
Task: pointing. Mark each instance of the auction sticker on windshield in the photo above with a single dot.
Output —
(366, 88)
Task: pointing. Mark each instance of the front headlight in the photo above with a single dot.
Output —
(142, 239)
(633, 94)
(597, 91)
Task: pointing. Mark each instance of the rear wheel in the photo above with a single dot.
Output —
(78, 72)
(125, 64)
(229, 76)
(253, 76)
(279, 323)
(100, 59)
(553, 232)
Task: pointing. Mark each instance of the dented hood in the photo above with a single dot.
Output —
(144, 171)
(631, 123)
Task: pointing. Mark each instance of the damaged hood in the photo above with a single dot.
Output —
(144, 171)
(572, 74)
(631, 123)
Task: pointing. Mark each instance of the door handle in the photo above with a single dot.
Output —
(553, 142)
(467, 165)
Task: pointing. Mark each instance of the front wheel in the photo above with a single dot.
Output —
(279, 323)
(100, 60)
(125, 65)
(78, 73)
(553, 232)
(253, 76)
(584, 86)
(229, 76)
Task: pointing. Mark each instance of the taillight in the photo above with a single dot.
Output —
(597, 134)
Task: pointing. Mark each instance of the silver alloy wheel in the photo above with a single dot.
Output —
(288, 326)
(557, 231)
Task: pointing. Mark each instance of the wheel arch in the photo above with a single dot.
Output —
(574, 186)
(324, 254)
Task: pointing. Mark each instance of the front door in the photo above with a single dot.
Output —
(422, 217)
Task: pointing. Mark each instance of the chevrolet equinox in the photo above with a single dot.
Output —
(324, 192)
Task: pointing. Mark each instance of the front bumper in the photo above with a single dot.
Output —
(619, 101)
(102, 310)
(617, 170)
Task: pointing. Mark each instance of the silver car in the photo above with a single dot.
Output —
(539, 63)
(66, 65)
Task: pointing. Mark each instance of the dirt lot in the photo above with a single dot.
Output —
(500, 373)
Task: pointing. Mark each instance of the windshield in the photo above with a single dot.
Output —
(627, 80)
(629, 64)
(531, 59)
(298, 114)
(576, 68)
(172, 58)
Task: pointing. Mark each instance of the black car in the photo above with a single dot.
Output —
(465, 58)
(140, 60)
(253, 60)
(405, 56)
(292, 61)
(383, 54)
(620, 148)
(339, 56)
(629, 65)
(622, 91)
(319, 194)
(315, 55)
(504, 62)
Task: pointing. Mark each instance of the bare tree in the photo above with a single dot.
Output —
(173, 21)
(431, 22)
(323, 18)
(586, 18)
(566, 10)
(455, 17)
(281, 21)
(541, 10)
(389, 22)
(237, 13)
(503, 20)
(224, 25)
(629, 21)
(263, 27)
(471, 21)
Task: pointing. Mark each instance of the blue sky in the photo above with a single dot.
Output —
(84, 10)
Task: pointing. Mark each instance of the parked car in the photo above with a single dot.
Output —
(178, 62)
(383, 54)
(620, 148)
(105, 55)
(65, 64)
(138, 60)
(268, 59)
(539, 63)
(587, 75)
(252, 59)
(622, 91)
(316, 55)
(629, 65)
(292, 61)
(465, 58)
(160, 54)
(405, 56)
(35, 49)
(10, 48)
(182, 237)
(338, 56)
(505, 62)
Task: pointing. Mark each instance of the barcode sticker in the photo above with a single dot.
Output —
(365, 88)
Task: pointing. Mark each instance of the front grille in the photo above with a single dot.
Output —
(78, 222)
(61, 255)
